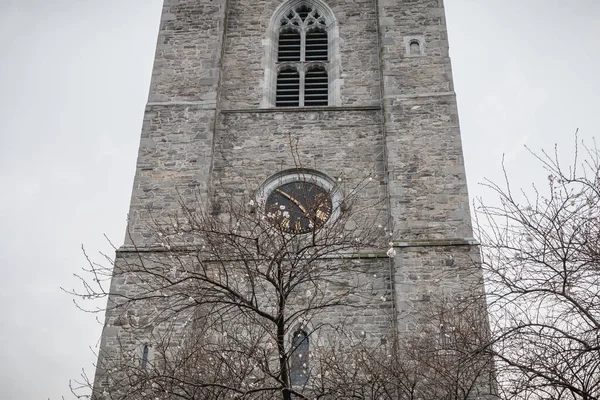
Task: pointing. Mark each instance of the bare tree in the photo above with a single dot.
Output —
(240, 301)
(445, 358)
(542, 260)
(227, 304)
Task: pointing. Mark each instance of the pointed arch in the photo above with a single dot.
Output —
(303, 35)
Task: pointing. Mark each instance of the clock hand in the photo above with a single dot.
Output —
(300, 206)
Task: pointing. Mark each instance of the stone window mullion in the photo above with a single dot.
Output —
(302, 65)
(303, 45)
(302, 70)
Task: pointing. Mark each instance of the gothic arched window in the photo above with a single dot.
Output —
(299, 359)
(302, 61)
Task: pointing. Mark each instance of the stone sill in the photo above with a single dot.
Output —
(437, 242)
(301, 109)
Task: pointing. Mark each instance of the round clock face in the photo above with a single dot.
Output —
(299, 207)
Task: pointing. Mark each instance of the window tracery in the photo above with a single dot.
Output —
(303, 46)
(302, 66)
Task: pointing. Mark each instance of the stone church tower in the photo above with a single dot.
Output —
(365, 87)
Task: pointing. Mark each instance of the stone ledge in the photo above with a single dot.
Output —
(374, 253)
(128, 249)
(300, 109)
(201, 104)
(419, 95)
(437, 242)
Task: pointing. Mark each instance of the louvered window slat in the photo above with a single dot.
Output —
(289, 46)
(316, 46)
(315, 88)
(288, 89)
(303, 50)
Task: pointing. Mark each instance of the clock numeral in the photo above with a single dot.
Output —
(323, 215)
(285, 223)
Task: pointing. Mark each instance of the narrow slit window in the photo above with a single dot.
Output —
(288, 88)
(145, 352)
(299, 363)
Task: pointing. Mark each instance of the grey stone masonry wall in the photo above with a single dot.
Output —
(245, 56)
(427, 182)
(188, 51)
(175, 154)
(430, 274)
(344, 144)
(174, 162)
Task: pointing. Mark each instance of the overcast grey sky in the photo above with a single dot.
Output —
(74, 78)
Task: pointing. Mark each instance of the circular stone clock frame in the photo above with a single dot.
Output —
(309, 200)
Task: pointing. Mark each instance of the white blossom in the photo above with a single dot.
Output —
(391, 253)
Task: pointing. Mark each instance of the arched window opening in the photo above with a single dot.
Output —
(289, 46)
(315, 87)
(299, 360)
(303, 44)
(415, 48)
(447, 339)
(288, 88)
(316, 45)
